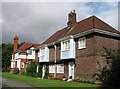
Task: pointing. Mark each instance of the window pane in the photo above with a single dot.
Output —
(60, 68)
(66, 45)
(51, 68)
(42, 51)
(82, 43)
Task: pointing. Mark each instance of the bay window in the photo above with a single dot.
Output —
(65, 45)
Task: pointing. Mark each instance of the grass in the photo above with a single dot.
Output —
(46, 82)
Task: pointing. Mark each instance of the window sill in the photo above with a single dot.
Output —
(60, 72)
(66, 50)
(82, 48)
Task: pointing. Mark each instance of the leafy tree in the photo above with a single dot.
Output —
(113, 78)
(7, 50)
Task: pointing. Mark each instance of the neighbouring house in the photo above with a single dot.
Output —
(77, 49)
(23, 55)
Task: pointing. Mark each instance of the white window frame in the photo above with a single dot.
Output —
(60, 68)
(66, 45)
(22, 64)
(51, 68)
(12, 64)
(42, 51)
(30, 52)
(82, 43)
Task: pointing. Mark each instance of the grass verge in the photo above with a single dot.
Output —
(47, 82)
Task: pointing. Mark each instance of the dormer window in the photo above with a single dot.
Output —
(66, 45)
(81, 43)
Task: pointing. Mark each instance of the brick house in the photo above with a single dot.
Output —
(23, 55)
(77, 49)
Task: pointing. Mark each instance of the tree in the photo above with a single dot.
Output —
(7, 50)
(113, 78)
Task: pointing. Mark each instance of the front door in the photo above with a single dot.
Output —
(71, 69)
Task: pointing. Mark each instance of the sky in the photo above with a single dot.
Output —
(37, 21)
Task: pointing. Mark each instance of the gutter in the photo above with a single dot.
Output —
(80, 35)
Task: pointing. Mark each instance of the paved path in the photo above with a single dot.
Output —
(11, 84)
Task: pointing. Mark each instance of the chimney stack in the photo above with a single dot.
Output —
(71, 18)
(15, 43)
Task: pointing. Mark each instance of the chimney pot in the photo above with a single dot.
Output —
(15, 43)
(71, 18)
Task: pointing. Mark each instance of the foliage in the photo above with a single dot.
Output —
(16, 71)
(31, 69)
(7, 50)
(46, 72)
(5, 70)
(112, 78)
(104, 74)
(82, 80)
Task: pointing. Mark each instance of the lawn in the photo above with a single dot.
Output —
(35, 82)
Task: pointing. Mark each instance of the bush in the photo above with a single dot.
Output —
(16, 71)
(5, 70)
(31, 69)
(46, 72)
(84, 81)
(114, 77)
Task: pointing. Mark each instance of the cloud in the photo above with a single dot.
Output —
(36, 21)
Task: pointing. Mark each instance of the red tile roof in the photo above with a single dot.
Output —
(27, 45)
(81, 26)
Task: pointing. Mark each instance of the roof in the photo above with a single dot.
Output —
(27, 45)
(81, 26)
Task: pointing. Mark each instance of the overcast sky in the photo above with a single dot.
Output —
(36, 21)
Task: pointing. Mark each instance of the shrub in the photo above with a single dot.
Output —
(16, 71)
(5, 70)
(84, 81)
(46, 72)
(31, 69)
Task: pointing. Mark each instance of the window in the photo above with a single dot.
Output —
(22, 64)
(42, 51)
(30, 52)
(60, 68)
(51, 68)
(12, 64)
(82, 43)
(65, 45)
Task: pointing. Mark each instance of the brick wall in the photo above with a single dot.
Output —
(51, 54)
(89, 60)
(107, 42)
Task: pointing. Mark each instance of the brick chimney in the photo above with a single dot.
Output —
(15, 43)
(71, 18)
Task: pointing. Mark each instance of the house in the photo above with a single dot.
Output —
(23, 55)
(77, 49)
